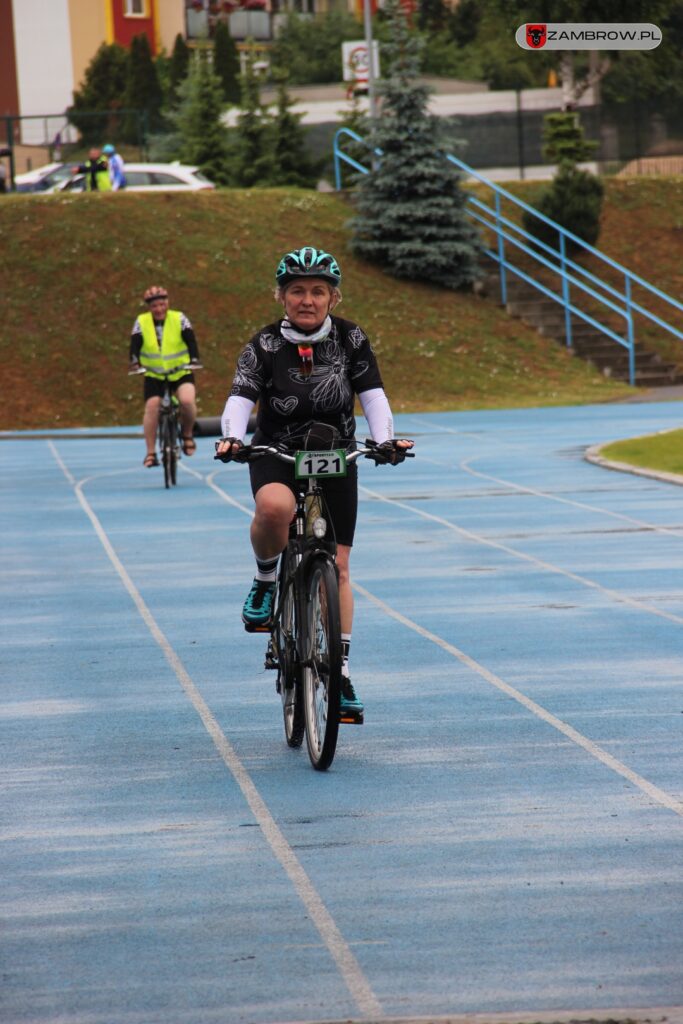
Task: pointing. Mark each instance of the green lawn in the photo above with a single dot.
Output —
(73, 269)
(656, 451)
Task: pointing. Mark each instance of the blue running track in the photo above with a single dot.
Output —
(502, 837)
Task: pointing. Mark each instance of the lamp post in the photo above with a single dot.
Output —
(367, 18)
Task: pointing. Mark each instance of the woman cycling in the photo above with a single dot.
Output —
(306, 367)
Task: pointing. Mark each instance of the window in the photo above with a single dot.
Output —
(165, 179)
(134, 8)
(138, 178)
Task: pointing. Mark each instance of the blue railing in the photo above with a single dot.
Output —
(509, 238)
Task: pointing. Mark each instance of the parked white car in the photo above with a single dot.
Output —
(174, 177)
(43, 179)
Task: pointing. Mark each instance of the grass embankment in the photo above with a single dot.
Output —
(73, 269)
(662, 452)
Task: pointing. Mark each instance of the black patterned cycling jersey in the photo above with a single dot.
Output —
(292, 391)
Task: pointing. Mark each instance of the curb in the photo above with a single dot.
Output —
(593, 455)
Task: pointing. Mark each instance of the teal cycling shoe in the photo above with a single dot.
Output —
(258, 607)
(350, 706)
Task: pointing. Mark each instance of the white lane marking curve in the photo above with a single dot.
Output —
(614, 595)
(661, 797)
(341, 953)
(465, 466)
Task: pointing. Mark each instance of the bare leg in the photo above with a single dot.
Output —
(188, 410)
(150, 422)
(270, 525)
(345, 591)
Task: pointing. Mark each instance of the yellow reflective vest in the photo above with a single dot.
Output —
(101, 175)
(173, 352)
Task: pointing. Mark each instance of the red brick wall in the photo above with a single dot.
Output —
(9, 93)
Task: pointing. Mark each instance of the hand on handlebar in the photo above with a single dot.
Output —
(229, 449)
(390, 452)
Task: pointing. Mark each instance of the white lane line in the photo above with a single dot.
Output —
(576, 737)
(659, 795)
(348, 966)
(464, 465)
(614, 595)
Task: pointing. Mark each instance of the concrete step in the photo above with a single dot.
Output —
(653, 379)
(547, 316)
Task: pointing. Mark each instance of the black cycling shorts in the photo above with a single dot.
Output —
(341, 493)
(153, 387)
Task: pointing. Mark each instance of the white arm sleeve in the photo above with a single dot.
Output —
(375, 406)
(235, 418)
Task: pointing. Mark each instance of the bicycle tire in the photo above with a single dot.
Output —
(175, 434)
(289, 675)
(322, 664)
(167, 446)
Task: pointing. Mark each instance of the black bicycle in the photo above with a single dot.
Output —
(305, 632)
(169, 430)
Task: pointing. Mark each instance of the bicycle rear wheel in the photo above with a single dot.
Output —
(322, 667)
(289, 675)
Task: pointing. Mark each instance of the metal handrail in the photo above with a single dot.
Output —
(572, 274)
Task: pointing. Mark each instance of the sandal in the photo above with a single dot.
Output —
(189, 445)
(150, 460)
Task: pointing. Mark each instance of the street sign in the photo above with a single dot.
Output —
(355, 60)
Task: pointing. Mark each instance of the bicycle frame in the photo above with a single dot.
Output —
(305, 629)
(168, 428)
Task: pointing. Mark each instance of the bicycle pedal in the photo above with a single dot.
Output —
(271, 661)
(251, 628)
(346, 719)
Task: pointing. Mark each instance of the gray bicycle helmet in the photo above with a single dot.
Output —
(308, 262)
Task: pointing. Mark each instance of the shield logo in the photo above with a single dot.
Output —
(536, 36)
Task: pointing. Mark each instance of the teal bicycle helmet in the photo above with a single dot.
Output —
(308, 262)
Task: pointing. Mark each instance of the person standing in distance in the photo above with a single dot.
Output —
(163, 339)
(117, 175)
(308, 366)
(96, 172)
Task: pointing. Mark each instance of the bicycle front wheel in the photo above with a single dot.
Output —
(288, 677)
(322, 665)
(167, 445)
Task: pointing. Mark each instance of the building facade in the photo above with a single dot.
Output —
(46, 45)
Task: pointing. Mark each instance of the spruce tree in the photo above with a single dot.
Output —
(103, 89)
(356, 118)
(252, 156)
(291, 162)
(226, 63)
(411, 210)
(574, 200)
(179, 67)
(143, 91)
(204, 140)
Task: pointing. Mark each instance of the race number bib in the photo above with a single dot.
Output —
(320, 464)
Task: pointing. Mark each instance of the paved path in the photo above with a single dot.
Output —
(502, 837)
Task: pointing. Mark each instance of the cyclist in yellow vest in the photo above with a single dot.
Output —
(96, 171)
(163, 340)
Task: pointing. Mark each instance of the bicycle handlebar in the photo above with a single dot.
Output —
(249, 452)
(142, 370)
